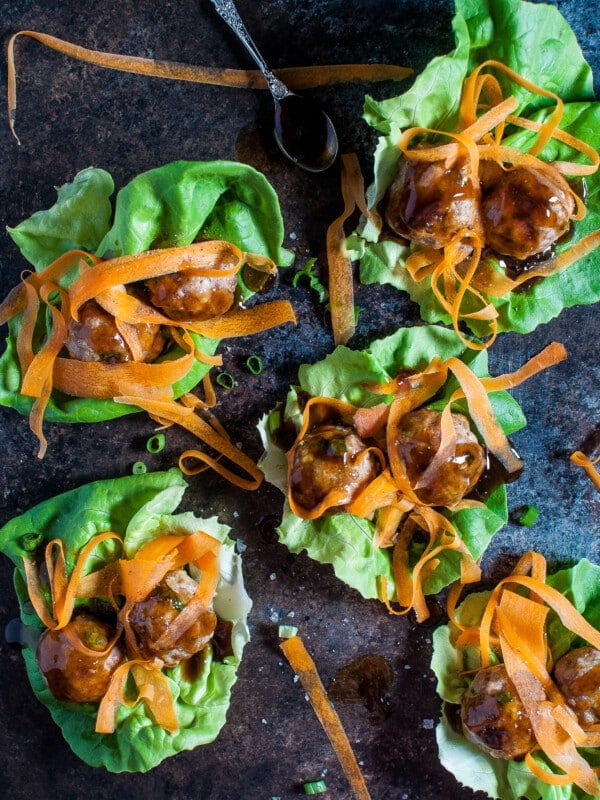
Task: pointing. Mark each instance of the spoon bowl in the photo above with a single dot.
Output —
(303, 131)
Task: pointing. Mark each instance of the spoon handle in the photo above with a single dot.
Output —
(229, 14)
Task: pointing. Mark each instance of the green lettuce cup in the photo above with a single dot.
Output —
(349, 540)
(171, 206)
(492, 760)
(141, 511)
(536, 42)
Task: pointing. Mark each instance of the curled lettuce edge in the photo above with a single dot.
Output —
(139, 507)
(499, 779)
(167, 206)
(535, 40)
(346, 541)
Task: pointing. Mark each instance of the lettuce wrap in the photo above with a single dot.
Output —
(170, 206)
(536, 42)
(342, 539)
(140, 509)
(455, 666)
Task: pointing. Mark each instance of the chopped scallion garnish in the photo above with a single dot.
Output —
(30, 541)
(139, 468)
(254, 364)
(315, 787)
(528, 516)
(156, 443)
(287, 631)
(225, 380)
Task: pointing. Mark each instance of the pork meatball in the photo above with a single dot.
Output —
(431, 202)
(151, 618)
(418, 441)
(330, 457)
(192, 295)
(493, 717)
(95, 337)
(577, 675)
(524, 210)
(74, 676)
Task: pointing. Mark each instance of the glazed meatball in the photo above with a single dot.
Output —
(577, 675)
(330, 457)
(418, 440)
(192, 295)
(431, 202)
(95, 337)
(525, 211)
(151, 618)
(74, 676)
(493, 717)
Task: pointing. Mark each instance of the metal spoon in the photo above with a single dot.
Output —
(303, 131)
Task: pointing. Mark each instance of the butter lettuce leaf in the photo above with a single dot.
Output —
(536, 41)
(139, 508)
(346, 541)
(169, 206)
(508, 780)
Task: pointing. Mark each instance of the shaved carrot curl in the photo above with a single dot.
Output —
(295, 77)
(588, 465)
(304, 667)
(341, 291)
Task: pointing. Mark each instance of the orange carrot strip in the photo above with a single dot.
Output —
(340, 280)
(551, 355)
(564, 167)
(294, 77)
(482, 415)
(553, 120)
(63, 589)
(545, 775)
(304, 667)
(588, 465)
(206, 256)
(165, 411)
(153, 689)
(245, 321)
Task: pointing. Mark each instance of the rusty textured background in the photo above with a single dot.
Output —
(73, 115)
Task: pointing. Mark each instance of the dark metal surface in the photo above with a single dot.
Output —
(71, 116)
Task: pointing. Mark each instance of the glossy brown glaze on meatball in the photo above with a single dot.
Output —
(330, 457)
(577, 675)
(192, 295)
(418, 441)
(74, 676)
(95, 337)
(524, 210)
(493, 717)
(151, 618)
(431, 202)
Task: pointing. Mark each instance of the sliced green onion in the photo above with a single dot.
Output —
(254, 364)
(528, 516)
(287, 631)
(156, 443)
(225, 380)
(274, 421)
(139, 468)
(30, 541)
(315, 787)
